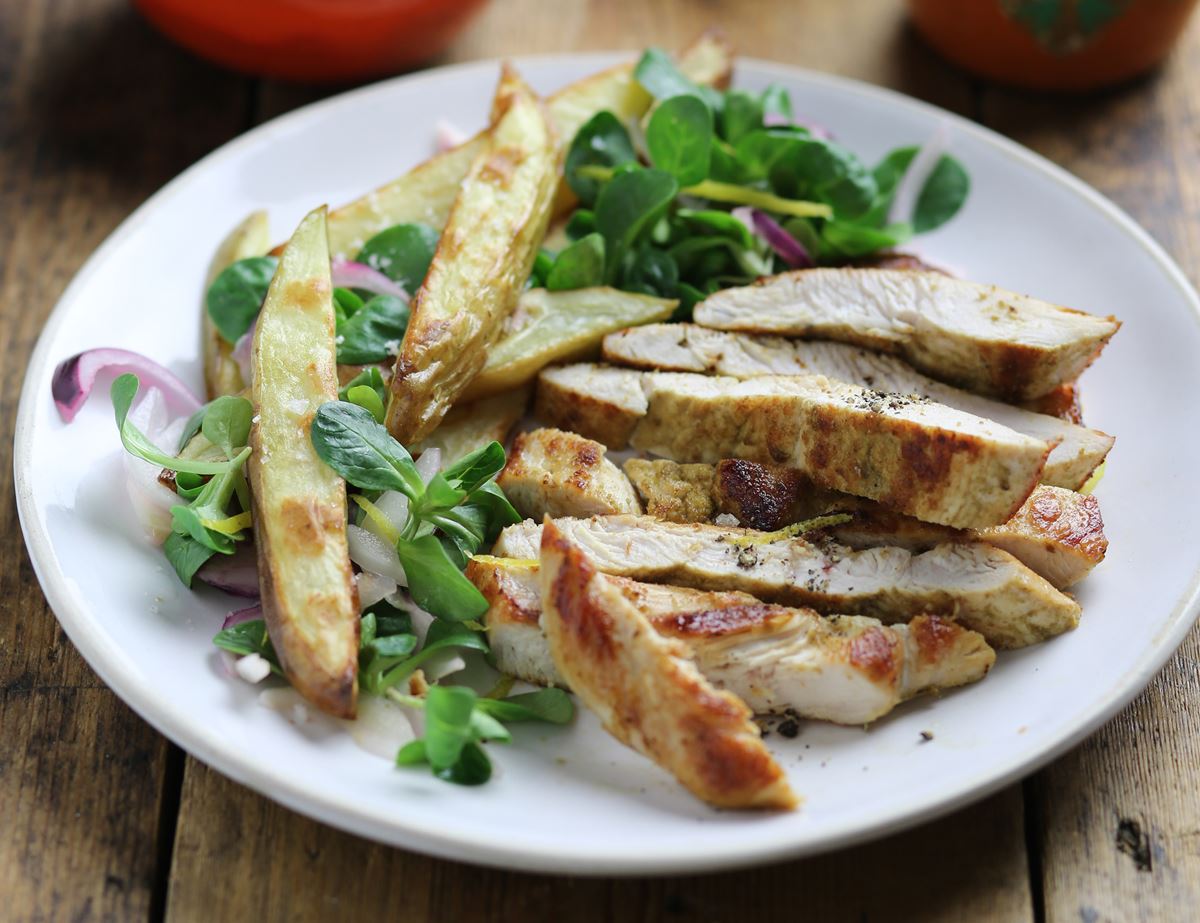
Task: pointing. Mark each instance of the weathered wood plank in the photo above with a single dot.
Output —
(96, 112)
(967, 867)
(1119, 816)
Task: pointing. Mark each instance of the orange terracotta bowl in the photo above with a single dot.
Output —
(314, 41)
(1053, 44)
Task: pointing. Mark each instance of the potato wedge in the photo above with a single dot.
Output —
(471, 426)
(308, 595)
(482, 261)
(427, 192)
(250, 238)
(560, 327)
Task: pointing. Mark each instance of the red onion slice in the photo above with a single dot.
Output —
(242, 351)
(237, 616)
(771, 232)
(236, 574)
(348, 274)
(75, 377)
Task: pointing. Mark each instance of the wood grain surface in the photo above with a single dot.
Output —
(102, 819)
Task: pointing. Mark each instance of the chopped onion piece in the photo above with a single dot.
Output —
(75, 377)
(775, 236)
(150, 498)
(235, 573)
(393, 505)
(241, 352)
(373, 554)
(348, 274)
(372, 588)
(237, 616)
(253, 668)
(429, 464)
(904, 202)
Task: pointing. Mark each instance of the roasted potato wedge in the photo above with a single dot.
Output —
(250, 238)
(560, 327)
(299, 503)
(427, 192)
(471, 426)
(482, 261)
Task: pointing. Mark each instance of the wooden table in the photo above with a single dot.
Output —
(101, 818)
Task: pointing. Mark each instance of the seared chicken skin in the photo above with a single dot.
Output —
(692, 348)
(981, 337)
(986, 589)
(647, 691)
(1057, 533)
(847, 669)
(912, 455)
(552, 473)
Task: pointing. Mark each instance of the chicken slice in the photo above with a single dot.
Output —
(978, 336)
(848, 669)
(552, 473)
(913, 455)
(986, 589)
(600, 402)
(692, 348)
(647, 691)
(1057, 533)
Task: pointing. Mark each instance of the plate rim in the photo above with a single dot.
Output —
(257, 773)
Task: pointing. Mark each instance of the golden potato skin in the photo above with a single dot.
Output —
(483, 260)
(309, 599)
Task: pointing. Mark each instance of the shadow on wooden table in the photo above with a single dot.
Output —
(962, 868)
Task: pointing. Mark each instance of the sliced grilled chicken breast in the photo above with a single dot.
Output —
(1057, 533)
(598, 401)
(848, 669)
(552, 473)
(979, 336)
(647, 691)
(912, 455)
(986, 589)
(692, 348)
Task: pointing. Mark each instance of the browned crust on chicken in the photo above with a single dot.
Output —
(1057, 533)
(674, 492)
(842, 668)
(554, 473)
(1063, 402)
(647, 691)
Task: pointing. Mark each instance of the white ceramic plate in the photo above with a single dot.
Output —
(574, 800)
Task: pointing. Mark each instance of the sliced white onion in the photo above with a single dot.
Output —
(421, 620)
(372, 553)
(372, 588)
(913, 181)
(443, 664)
(429, 464)
(150, 498)
(382, 726)
(393, 505)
